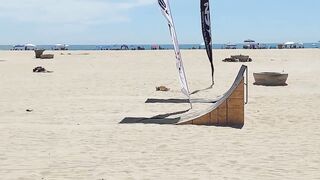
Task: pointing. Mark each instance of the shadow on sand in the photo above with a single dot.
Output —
(158, 119)
(178, 101)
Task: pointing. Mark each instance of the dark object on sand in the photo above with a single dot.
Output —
(29, 110)
(40, 69)
(270, 79)
(39, 52)
(47, 56)
(162, 88)
(238, 58)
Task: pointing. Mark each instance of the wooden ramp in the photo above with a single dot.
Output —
(228, 110)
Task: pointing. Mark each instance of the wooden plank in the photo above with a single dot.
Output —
(236, 117)
(222, 114)
(214, 117)
(239, 91)
(235, 103)
(203, 120)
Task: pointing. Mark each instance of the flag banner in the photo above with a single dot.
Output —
(206, 32)
(165, 8)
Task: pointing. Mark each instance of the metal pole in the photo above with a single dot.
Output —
(247, 86)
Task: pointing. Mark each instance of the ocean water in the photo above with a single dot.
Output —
(148, 46)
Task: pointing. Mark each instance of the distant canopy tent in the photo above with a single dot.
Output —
(249, 41)
(61, 46)
(30, 45)
(250, 44)
(289, 43)
(231, 46)
(18, 46)
(25, 47)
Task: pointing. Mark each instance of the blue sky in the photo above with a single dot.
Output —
(141, 22)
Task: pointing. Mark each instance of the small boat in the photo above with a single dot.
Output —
(270, 79)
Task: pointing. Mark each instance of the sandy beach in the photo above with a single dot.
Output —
(73, 130)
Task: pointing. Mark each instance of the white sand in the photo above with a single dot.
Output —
(73, 131)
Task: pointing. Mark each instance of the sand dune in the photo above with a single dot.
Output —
(73, 131)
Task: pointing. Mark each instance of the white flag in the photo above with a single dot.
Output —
(165, 8)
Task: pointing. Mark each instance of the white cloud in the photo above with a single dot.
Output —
(69, 11)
